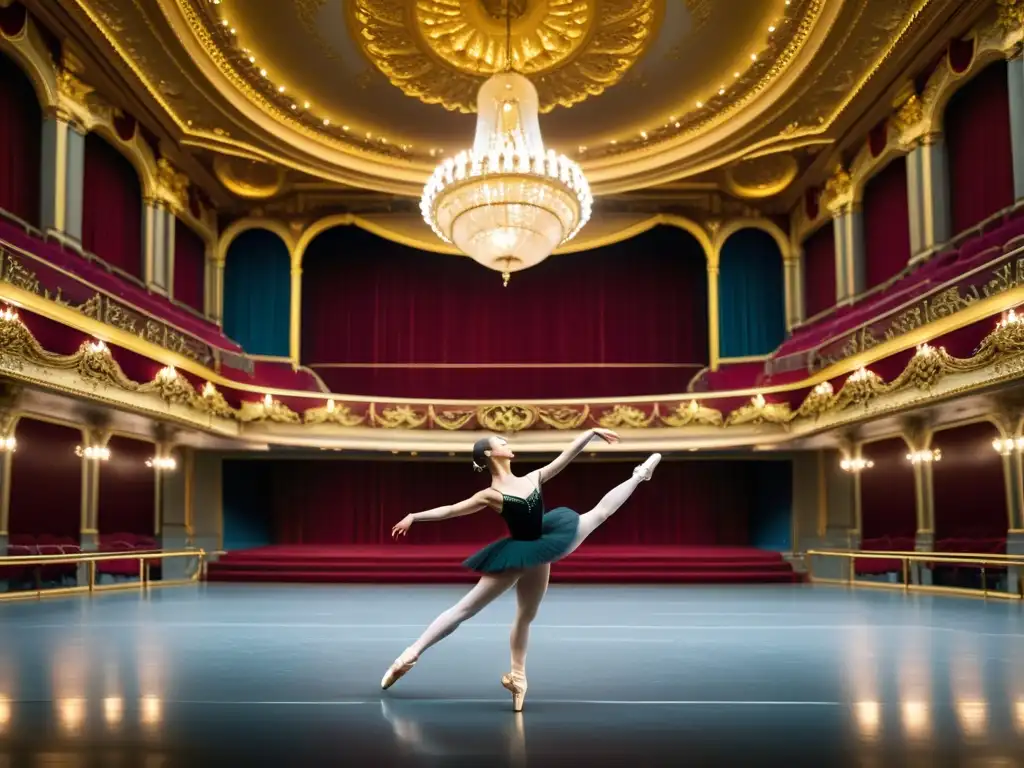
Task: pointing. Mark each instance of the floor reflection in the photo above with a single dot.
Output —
(429, 731)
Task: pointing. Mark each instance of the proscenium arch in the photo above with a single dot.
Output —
(438, 246)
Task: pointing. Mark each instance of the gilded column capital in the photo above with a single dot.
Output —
(838, 194)
(171, 186)
(909, 120)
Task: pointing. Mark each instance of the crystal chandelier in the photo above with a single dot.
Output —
(507, 202)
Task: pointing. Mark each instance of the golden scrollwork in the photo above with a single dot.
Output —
(506, 418)
(693, 412)
(838, 191)
(72, 88)
(759, 411)
(398, 416)
(564, 417)
(334, 413)
(619, 416)
(1011, 14)
(908, 118)
(267, 409)
(451, 418)
(440, 51)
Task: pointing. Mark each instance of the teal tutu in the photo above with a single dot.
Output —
(557, 535)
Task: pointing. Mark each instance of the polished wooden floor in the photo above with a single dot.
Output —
(246, 675)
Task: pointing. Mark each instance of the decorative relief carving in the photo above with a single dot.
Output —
(172, 185)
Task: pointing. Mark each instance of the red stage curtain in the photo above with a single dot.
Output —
(886, 223)
(127, 488)
(970, 496)
(888, 499)
(46, 480)
(357, 502)
(369, 301)
(979, 143)
(189, 266)
(820, 270)
(21, 126)
(112, 208)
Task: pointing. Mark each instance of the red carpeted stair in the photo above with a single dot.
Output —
(399, 563)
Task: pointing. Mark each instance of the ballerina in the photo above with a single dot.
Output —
(523, 559)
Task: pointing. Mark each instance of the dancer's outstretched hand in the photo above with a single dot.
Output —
(607, 435)
(402, 527)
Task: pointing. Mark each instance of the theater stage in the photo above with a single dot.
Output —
(441, 564)
(289, 675)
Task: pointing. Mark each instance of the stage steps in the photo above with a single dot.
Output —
(398, 563)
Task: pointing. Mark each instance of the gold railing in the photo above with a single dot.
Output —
(90, 559)
(911, 576)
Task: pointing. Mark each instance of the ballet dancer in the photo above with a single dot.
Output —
(536, 539)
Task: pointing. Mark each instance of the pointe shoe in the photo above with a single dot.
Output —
(646, 470)
(518, 690)
(395, 672)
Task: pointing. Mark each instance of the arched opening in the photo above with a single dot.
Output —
(751, 295)
(21, 126)
(384, 319)
(189, 266)
(112, 207)
(980, 147)
(886, 223)
(257, 293)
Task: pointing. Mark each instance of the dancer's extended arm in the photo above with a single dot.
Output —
(475, 503)
(547, 472)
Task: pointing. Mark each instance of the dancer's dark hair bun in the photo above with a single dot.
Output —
(480, 449)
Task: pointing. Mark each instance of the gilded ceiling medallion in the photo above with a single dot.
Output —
(441, 51)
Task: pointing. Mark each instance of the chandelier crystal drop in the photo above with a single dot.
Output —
(507, 202)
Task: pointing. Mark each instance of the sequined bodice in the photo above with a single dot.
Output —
(523, 516)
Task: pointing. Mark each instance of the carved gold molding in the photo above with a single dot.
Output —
(863, 394)
(441, 52)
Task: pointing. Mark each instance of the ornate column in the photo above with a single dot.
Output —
(63, 155)
(1008, 411)
(794, 286)
(927, 176)
(169, 198)
(918, 436)
(1016, 80)
(215, 290)
(848, 227)
(8, 444)
(92, 451)
(712, 267)
(295, 317)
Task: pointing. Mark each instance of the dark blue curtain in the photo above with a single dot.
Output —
(247, 497)
(771, 526)
(751, 296)
(257, 293)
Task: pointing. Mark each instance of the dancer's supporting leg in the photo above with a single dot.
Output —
(615, 498)
(486, 590)
(530, 591)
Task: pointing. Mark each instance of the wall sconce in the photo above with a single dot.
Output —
(8, 315)
(1009, 445)
(94, 452)
(268, 401)
(162, 463)
(925, 457)
(167, 373)
(8, 444)
(98, 348)
(1012, 318)
(856, 465)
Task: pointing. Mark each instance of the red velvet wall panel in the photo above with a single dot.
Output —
(820, 270)
(886, 223)
(189, 266)
(978, 140)
(391, 313)
(888, 500)
(127, 488)
(21, 125)
(970, 497)
(357, 502)
(46, 480)
(112, 207)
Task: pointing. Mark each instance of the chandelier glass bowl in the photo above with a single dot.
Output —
(507, 202)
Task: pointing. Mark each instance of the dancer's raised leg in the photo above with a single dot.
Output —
(486, 590)
(615, 498)
(530, 591)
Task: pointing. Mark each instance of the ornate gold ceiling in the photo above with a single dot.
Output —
(370, 93)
